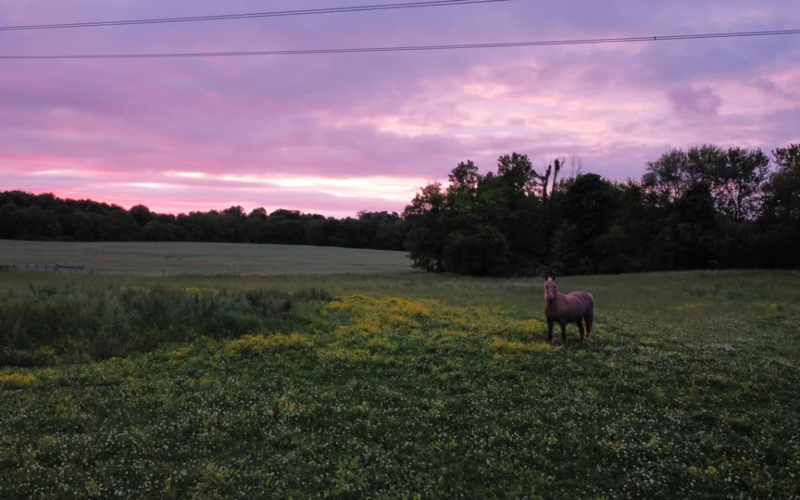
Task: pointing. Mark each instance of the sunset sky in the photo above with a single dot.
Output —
(334, 134)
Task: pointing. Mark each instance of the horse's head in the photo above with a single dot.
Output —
(550, 289)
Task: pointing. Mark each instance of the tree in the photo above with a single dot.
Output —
(142, 215)
(288, 232)
(464, 179)
(517, 171)
(742, 183)
(480, 250)
(780, 220)
(563, 253)
(589, 205)
(783, 188)
(695, 226)
(427, 235)
(8, 216)
(119, 225)
(353, 233)
(479, 224)
(39, 224)
(668, 177)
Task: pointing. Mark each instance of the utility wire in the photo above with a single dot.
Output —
(408, 48)
(253, 15)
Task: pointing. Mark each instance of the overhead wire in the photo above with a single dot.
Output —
(406, 48)
(252, 15)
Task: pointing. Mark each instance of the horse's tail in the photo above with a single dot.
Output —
(588, 316)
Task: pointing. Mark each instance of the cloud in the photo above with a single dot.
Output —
(114, 129)
(779, 86)
(688, 102)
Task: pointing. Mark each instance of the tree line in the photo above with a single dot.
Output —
(706, 207)
(26, 216)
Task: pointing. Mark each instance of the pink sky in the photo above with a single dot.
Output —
(334, 134)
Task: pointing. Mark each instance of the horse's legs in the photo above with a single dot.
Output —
(580, 327)
(564, 333)
(550, 330)
(589, 318)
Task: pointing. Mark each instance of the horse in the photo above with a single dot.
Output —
(575, 307)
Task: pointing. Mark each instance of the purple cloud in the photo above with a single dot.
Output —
(122, 129)
(687, 102)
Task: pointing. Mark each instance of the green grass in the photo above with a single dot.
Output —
(688, 390)
(151, 258)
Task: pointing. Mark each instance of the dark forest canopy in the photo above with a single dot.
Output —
(706, 207)
(703, 208)
(25, 216)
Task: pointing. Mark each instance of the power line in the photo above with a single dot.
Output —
(408, 48)
(252, 15)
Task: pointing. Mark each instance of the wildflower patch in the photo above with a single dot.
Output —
(258, 345)
(429, 323)
(499, 345)
(17, 381)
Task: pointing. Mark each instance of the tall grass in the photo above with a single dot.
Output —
(46, 323)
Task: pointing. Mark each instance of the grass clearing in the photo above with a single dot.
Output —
(431, 386)
(177, 258)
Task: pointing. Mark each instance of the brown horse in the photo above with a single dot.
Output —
(575, 307)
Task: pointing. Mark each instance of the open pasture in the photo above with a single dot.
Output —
(175, 258)
(400, 386)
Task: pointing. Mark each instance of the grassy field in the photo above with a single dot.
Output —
(151, 258)
(398, 386)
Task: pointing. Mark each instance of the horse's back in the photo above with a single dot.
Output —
(585, 297)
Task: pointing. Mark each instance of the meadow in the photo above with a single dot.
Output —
(397, 386)
(191, 258)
